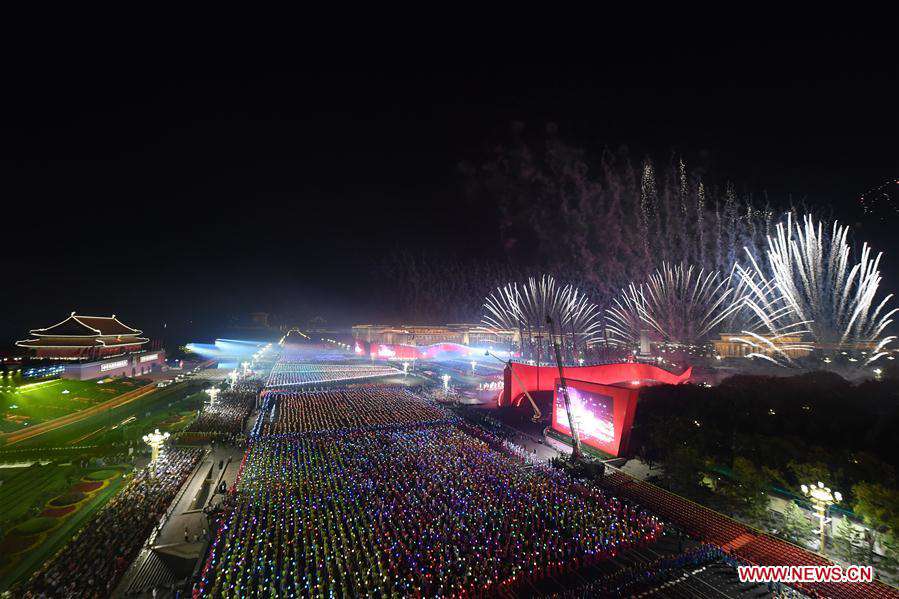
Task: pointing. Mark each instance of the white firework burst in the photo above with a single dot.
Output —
(766, 322)
(623, 319)
(524, 308)
(810, 283)
(678, 303)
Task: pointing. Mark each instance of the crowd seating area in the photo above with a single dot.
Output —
(409, 511)
(346, 408)
(287, 374)
(91, 564)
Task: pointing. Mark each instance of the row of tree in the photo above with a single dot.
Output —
(732, 444)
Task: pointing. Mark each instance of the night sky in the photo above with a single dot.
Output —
(168, 189)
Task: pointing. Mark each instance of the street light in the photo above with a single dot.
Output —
(155, 441)
(213, 393)
(822, 498)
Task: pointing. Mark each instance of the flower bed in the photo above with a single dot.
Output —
(70, 498)
(57, 512)
(101, 475)
(13, 544)
(34, 526)
(86, 487)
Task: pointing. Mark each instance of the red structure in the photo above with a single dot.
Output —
(603, 397)
(80, 338)
(543, 378)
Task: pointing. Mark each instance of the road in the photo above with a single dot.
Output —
(171, 553)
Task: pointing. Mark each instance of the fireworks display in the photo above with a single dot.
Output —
(814, 281)
(805, 293)
(524, 308)
(766, 322)
(679, 303)
(881, 202)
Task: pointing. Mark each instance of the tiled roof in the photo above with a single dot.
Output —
(82, 341)
(84, 326)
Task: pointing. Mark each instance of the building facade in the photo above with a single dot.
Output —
(731, 345)
(463, 334)
(132, 365)
(84, 338)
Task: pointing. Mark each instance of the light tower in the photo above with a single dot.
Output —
(474, 364)
(822, 498)
(405, 368)
(155, 441)
(213, 393)
(446, 379)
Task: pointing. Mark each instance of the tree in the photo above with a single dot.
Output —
(796, 525)
(749, 488)
(848, 542)
(809, 473)
(878, 506)
(683, 468)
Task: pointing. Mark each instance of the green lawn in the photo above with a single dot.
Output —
(32, 403)
(123, 423)
(169, 416)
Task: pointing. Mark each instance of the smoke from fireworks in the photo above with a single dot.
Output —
(524, 308)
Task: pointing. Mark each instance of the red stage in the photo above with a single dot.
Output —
(603, 398)
(543, 378)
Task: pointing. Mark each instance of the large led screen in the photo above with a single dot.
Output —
(603, 414)
(593, 415)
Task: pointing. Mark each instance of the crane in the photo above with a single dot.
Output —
(537, 414)
(576, 453)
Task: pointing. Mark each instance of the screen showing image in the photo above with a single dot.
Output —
(592, 414)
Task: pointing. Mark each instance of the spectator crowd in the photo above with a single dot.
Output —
(347, 408)
(368, 491)
(91, 564)
(285, 374)
(225, 419)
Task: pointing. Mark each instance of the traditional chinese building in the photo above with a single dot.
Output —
(94, 346)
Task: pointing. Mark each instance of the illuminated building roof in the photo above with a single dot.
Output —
(86, 326)
(82, 342)
(84, 337)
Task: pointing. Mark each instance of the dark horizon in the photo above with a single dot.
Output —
(179, 191)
